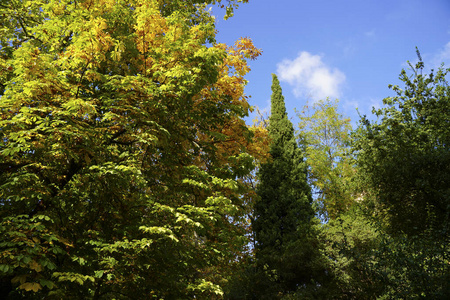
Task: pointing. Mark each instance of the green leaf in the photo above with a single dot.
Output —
(99, 274)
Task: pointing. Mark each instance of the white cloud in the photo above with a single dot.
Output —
(311, 77)
(443, 56)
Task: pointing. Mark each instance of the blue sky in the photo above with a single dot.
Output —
(349, 49)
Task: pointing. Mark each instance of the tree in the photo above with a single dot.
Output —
(404, 158)
(403, 164)
(345, 234)
(123, 149)
(283, 215)
(325, 134)
(349, 242)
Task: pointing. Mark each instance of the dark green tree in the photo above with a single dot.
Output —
(404, 159)
(284, 215)
(403, 162)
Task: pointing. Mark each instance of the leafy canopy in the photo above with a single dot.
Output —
(403, 158)
(325, 134)
(122, 149)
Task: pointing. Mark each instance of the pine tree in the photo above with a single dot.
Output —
(283, 214)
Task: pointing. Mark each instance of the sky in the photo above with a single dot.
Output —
(349, 50)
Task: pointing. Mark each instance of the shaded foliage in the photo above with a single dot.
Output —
(404, 159)
(286, 248)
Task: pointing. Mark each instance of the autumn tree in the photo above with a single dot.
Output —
(122, 149)
(283, 214)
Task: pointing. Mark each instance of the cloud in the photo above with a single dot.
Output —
(443, 56)
(311, 77)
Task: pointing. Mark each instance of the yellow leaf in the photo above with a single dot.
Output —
(30, 286)
(35, 266)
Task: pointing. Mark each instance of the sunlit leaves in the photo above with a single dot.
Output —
(325, 134)
(123, 128)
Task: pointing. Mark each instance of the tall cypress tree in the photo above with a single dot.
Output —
(283, 214)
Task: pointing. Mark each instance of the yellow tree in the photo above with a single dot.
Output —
(123, 149)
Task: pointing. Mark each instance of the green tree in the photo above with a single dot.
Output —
(347, 237)
(403, 159)
(349, 242)
(325, 134)
(403, 163)
(122, 149)
(283, 216)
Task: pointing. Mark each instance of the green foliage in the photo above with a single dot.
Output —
(368, 263)
(413, 267)
(349, 244)
(29, 250)
(325, 134)
(393, 242)
(403, 171)
(285, 249)
(403, 160)
(122, 150)
(285, 196)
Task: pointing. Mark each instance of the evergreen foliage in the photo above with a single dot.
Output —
(283, 214)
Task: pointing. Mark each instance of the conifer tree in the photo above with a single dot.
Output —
(283, 214)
